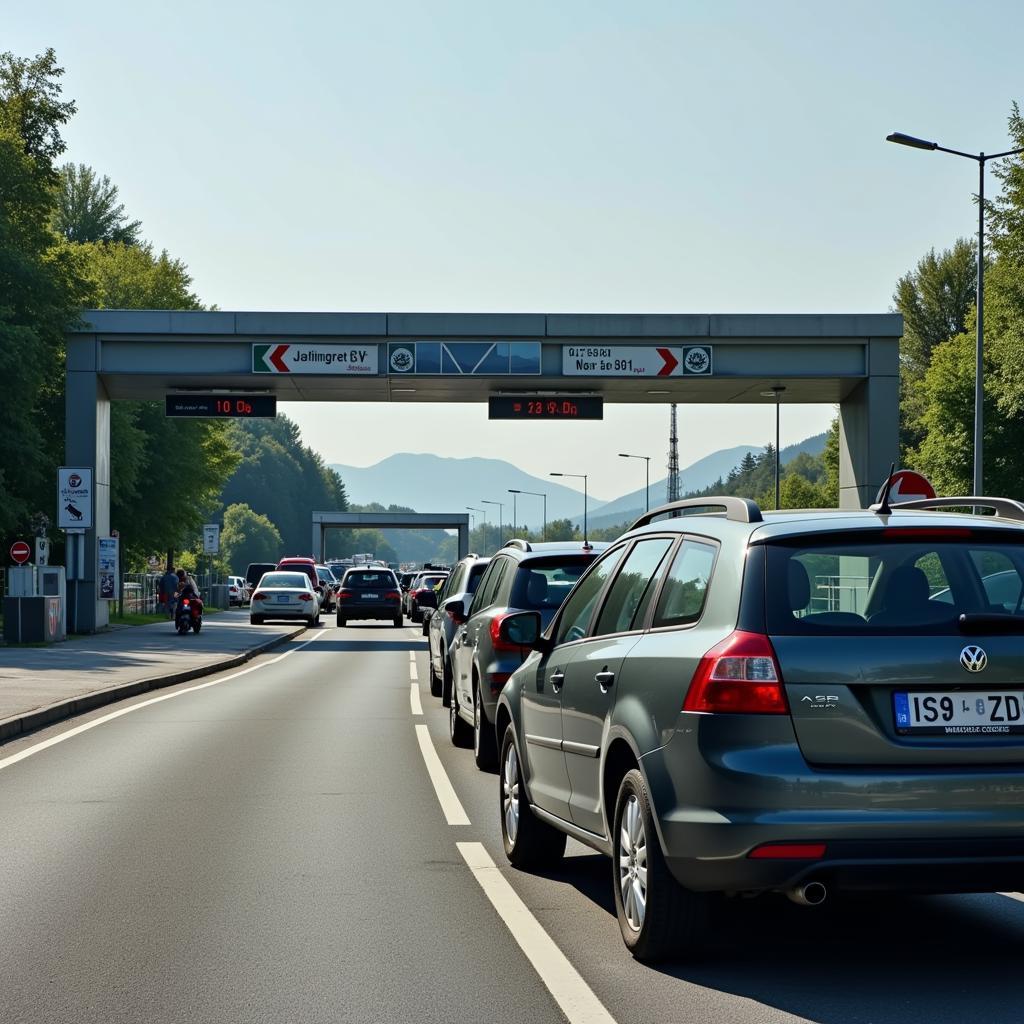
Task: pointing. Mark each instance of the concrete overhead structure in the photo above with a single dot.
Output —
(850, 360)
(324, 521)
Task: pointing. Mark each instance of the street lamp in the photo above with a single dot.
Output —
(979, 381)
(537, 494)
(478, 511)
(515, 514)
(647, 459)
(775, 393)
(501, 515)
(583, 477)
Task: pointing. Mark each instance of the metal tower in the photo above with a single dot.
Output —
(674, 490)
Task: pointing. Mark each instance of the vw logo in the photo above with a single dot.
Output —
(974, 659)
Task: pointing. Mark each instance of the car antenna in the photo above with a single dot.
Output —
(883, 506)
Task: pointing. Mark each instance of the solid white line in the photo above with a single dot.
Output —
(1014, 896)
(413, 672)
(450, 805)
(574, 996)
(85, 727)
(414, 699)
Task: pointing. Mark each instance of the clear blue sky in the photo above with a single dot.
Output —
(597, 156)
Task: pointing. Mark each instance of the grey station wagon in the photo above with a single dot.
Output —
(800, 702)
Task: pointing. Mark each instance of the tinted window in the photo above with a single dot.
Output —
(887, 583)
(476, 573)
(686, 586)
(544, 583)
(429, 582)
(579, 608)
(484, 596)
(636, 580)
(368, 579)
(285, 579)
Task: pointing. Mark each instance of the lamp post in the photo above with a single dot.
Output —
(583, 477)
(542, 495)
(480, 512)
(515, 513)
(776, 393)
(979, 349)
(647, 485)
(501, 516)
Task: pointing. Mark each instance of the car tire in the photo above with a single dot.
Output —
(311, 621)
(460, 733)
(435, 679)
(255, 620)
(485, 747)
(339, 620)
(398, 622)
(414, 615)
(530, 844)
(446, 683)
(671, 919)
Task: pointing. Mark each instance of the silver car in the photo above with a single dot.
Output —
(284, 595)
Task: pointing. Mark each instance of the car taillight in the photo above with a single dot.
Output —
(420, 590)
(392, 595)
(788, 851)
(343, 594)
(496, 639)
(305, 597)
(259, 596)
(738, 676)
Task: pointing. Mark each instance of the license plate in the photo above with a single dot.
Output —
(959, 713)
(370, 597)
(283, 599)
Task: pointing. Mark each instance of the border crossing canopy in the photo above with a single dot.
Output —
(851, 360)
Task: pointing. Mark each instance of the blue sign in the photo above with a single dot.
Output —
(464, 358)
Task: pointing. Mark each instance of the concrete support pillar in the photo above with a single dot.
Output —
(87, 443)
(318, 540)
(869, 428)
(463, 541)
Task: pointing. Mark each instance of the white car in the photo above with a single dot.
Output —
(238, 590)
(284, 595)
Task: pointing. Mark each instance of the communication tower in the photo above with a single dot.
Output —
(673, 460)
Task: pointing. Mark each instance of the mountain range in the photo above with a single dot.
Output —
(431, 483)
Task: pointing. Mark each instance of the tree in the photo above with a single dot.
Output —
(248, 537)
(132, 277)
(563, 529)
(88, 209)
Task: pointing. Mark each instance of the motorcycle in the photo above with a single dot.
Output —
(188, 615)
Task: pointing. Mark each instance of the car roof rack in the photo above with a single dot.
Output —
(738, 510)
(523, 545)
(1005, 508)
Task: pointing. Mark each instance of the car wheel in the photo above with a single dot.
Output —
(435, 679)
(658, 918)
(446, 683)
(255, 620)
(484, 746)
(397, 621)
(529, 842)
(340, 620)
(414, 614)
(457, 728)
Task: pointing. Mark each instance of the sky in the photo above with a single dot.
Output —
(693, 157)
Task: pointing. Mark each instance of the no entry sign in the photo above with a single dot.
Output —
(907, 486)
(20, 552)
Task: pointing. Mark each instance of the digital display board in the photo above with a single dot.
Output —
(545, 407)
(221, 406)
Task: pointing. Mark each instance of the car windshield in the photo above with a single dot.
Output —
(325, 574)
(368, 579)
(429, 581)
(287, 580)
(898, 581)
(544, 583)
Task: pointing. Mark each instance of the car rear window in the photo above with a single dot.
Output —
(294, 580)
(545, 582)
(367, 580)
(429, 581)
(892, 581)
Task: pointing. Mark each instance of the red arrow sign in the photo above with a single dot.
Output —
(907, 486)
(670, 362)
(20, 552)
(276, 357)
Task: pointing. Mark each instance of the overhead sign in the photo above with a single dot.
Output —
(636, 361)
(545, 407)
(211, 539)
(907, 486)
(20, 552)
(338, 360)
(74, 498)
(464, 358)
(221, 406)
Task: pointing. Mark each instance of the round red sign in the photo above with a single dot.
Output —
(907, 486)
(20, 552)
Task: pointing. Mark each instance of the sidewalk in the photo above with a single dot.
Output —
(40, 685)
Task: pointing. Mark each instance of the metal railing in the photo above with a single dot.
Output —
(840, 593)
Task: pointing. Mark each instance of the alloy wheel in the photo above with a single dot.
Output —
(632, 858)
(510, 794)
(476, 722)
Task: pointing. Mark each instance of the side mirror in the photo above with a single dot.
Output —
(456, 610)
(522, 629)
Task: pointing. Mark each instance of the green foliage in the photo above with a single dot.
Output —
(88, 209)
(133, 277)
(31, 109)
(248, 537)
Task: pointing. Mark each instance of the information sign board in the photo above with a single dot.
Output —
(221, 406)
(108, 558)
(338, 360)
(636, 360)
(545, 407)
(211, 539)
(74, 498)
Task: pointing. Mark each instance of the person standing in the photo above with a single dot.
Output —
(168, 587)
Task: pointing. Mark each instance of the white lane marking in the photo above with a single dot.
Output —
(574, 996)
(413, 671)
(78, 729)
(412, 655)
(414, 699)
(450, 805)
(1014, 896)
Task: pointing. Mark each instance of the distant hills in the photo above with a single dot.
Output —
(430, 483)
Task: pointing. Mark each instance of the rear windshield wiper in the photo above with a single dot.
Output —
(974, 623)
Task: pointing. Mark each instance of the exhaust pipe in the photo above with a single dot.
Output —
(810, 894)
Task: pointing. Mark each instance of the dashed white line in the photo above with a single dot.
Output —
(412, 655)
(85, 727)
(452, 808)
(574, 996)
(414, 699)
(413, 671)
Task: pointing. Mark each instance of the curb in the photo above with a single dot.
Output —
(19, 725)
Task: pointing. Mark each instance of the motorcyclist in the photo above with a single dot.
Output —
(187, 590)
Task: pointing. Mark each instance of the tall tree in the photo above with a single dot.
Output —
(88, 209)
(248, 537)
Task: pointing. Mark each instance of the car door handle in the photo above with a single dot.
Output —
(557, 678)
(604, 679)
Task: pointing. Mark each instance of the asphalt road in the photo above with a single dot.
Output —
(267, 846)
